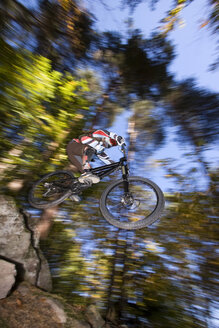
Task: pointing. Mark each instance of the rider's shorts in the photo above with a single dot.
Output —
(75, 151)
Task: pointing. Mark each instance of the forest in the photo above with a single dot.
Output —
(60, 76)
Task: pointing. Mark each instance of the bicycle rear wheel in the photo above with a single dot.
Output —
(138, 209)
(52, 189)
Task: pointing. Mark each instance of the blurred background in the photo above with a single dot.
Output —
(147, 70)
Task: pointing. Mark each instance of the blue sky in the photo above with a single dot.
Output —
(196, 50)
(195, 46)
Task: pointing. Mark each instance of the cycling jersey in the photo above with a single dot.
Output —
(81, 150)
(99, 140)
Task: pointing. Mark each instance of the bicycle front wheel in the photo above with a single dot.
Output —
(137, 209)
(52, 189)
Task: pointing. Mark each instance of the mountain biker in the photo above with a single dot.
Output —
(82, 150)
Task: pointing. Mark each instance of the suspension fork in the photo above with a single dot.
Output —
(125, 175)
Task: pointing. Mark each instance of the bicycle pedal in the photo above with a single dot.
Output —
(75, 198)
(87, 183)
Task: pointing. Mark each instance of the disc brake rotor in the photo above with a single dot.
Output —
(129, 202)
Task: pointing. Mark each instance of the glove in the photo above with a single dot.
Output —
(120, 140)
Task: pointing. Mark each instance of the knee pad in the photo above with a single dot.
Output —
(89, 152)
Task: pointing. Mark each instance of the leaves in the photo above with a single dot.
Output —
(54, 29)
(39, 104)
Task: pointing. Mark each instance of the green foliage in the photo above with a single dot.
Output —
(58, 30)
(40, 108)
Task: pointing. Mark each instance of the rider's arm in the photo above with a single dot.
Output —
(105, 134)
(101, 134)
(119, 139)
(104, 158)
(97, 145)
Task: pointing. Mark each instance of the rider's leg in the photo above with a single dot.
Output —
(80, 155)
(75, 153)
(87, 176)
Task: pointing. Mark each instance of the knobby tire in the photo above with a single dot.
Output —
(48, 203)
(148, 220)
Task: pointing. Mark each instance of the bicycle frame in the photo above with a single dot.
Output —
(105, 170)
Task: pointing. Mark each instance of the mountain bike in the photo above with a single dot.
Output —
(129, 203)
